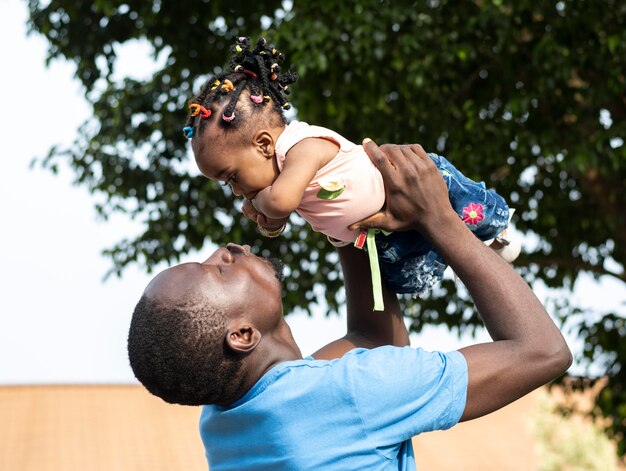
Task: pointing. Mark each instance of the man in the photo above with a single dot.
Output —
(213, 333)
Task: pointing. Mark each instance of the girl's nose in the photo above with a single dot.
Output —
(236, 190)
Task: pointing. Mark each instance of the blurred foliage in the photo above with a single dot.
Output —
(528, 96)
(570, 442)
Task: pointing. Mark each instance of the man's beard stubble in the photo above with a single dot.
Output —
(278, 266)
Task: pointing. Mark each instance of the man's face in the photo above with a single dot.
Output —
(232, 280)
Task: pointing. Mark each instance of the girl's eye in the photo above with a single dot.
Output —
(231, 179)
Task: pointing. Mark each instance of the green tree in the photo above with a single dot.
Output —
(526, 95)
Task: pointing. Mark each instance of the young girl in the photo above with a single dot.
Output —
(240, 137)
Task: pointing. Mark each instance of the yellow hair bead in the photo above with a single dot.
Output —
(228, 86)
(238, 49)
(215, 85)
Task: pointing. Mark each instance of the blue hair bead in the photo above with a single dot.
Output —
(188, 132)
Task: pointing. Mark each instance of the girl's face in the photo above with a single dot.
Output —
(246, 168)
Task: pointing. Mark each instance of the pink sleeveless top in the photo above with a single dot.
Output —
(351, 169)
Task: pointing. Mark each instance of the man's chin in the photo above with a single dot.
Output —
(278, 266)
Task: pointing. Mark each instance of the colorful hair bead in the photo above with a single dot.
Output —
(254, 68)
(227, 86)
(197, 109)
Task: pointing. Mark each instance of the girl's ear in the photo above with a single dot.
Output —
(264, 142)
(243, 338)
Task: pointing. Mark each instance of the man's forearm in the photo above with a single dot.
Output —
(381, 328)
(506, 303)
(524, 333)
(366, 328)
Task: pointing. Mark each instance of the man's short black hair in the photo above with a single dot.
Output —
(179, 352)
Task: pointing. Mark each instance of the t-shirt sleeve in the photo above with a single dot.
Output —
(401, 392)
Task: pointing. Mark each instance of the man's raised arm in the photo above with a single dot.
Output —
(528, 349)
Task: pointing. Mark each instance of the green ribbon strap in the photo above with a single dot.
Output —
(377, 286)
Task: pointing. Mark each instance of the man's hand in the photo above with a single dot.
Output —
(415, 192)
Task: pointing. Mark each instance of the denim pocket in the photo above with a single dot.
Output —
(415, 275)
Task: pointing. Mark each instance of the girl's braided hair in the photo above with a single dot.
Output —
(256, 70)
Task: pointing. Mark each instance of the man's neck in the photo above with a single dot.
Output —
(268, 354)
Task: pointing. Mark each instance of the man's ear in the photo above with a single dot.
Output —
(243, 338)
(264, 141)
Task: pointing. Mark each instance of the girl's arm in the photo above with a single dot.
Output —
(302, 163)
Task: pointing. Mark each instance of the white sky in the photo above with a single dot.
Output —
(59, 322)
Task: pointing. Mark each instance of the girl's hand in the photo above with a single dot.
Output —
(253, 214)
(250, 211)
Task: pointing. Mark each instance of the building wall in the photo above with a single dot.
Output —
(96, 428)
(104, 428)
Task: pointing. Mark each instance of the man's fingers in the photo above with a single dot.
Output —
(372, 222)
(377, 156)
(418, 150)
(409, 154)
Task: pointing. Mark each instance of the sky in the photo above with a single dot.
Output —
(59, 321)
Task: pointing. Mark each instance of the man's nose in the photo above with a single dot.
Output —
(221, 255)
(235, 248)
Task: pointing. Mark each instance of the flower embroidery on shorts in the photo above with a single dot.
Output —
(473, 214)
(331, 189)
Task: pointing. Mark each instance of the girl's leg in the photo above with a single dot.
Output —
(484, 211)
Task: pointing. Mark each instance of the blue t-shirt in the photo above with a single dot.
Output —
(356, 412)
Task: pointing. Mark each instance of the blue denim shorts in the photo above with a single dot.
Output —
(409, 263)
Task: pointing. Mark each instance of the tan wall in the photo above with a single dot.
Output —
(119, 428)
(502, 441)
(96, 428)
(104, 428)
